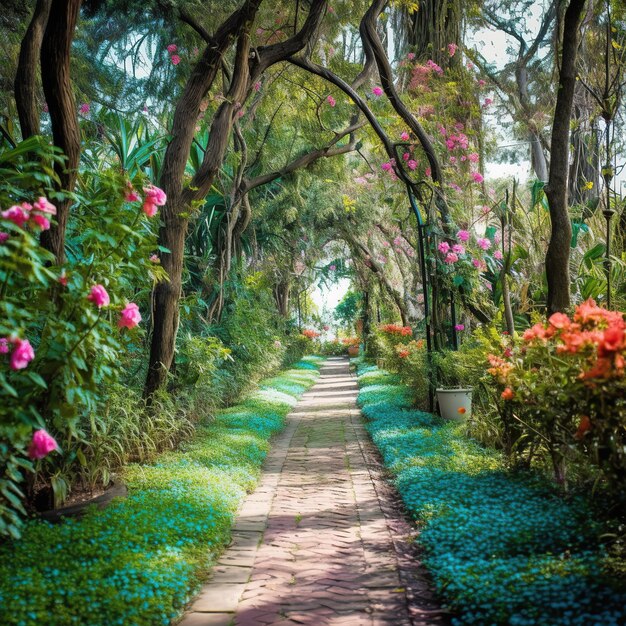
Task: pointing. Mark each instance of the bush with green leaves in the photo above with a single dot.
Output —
(140, 560)
(66, 322)
(502, 547)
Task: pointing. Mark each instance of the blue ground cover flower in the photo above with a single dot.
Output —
(503, 548)
(137, 562)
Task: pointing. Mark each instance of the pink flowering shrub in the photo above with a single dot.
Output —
(59, 346)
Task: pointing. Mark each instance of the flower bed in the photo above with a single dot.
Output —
(503, 548)
(138, 561)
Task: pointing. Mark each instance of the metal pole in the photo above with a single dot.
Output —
(422, 243)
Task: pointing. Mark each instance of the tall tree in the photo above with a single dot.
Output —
(57, 86)
(28, 65)
(249, 66)
(557, 257)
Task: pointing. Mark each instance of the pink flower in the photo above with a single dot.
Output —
(84, 108)
(458, 248)
(498, 255)
(452, 47)
(484, 244)
(99, 296)
(172, 48)
(486, 209)
(473, 157)
(386, 166)
(428, 171)
(451, 258)
(482, 83)
(45, 107)
(430, 64)
(477, 263)
(453, 160)
(406, 156)
(257, 86)
(331, 101)
(332, 268)
(41, 221)
(175, 59)
(459, 327)
(478, 177)
(22, 354)
(487, 102)
(405, 136)
(455, 187)
(410, 56)
(412, 164)
(443, 247)
(44, 206)
(17, 215)
(463, 235)
(131, 195)
(41, 445)
(4, 345)
(450, 143)
(130, 316)
(155, 259)
(155, 197)
(377, 91)
(3, 237)
(442, 130)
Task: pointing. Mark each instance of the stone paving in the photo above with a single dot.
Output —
(323, 540)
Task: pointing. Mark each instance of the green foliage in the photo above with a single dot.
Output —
(502, 547)
(78, 346)
(139, 560)
(349, 310)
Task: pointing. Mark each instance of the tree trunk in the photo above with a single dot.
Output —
(538, 159)
(557, 257)
(248, 67)
(282, 292)
(430, 29)
(172, 234)
(26, 76)
(57, 86)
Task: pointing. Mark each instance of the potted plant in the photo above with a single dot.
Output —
(352, 344)
(453, 398)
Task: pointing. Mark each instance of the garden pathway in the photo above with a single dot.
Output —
(322, 541)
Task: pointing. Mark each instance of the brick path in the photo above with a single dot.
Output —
(322, 540)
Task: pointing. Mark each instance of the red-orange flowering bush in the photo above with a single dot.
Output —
(310, 333)
(396, 329)
(564, 385)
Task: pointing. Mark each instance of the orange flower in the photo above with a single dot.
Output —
(403, 354)
(559, 320)
(507, 394)
(462, 410)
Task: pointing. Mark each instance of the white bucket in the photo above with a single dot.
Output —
(455, 404)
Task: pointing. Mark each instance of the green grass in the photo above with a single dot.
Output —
(503, 548)
(138, 562)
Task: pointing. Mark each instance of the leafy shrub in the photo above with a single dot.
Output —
(138, 561)
(564, 386)
(66, 322)
(502, 547)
